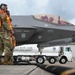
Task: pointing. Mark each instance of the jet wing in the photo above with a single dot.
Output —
(64, 41)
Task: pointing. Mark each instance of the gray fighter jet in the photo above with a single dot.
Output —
(44, 30)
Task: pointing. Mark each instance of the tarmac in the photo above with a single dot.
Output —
(31, 69)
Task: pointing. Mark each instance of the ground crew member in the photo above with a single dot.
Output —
(1, 35)
(11, 27)
(13, 40)
(5, 36)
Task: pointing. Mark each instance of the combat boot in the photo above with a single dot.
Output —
(7, 62)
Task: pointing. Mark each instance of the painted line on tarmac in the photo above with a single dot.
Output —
(30, 71)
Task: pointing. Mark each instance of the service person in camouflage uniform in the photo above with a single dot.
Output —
(13, 40)
(5, 36)
(2, 33)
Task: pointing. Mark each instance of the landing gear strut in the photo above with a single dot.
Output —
(40, 49)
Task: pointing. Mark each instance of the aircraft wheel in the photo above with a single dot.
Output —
(40, 60)
(63, 60)
(52, 60)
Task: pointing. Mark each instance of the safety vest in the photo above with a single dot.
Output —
(13, 40)
(8, 20)
(0, 25)
(1, 13)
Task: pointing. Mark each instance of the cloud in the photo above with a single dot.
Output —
(26, 7)
(15, 6)
(40, 5)
(63, 8)
(73, 21)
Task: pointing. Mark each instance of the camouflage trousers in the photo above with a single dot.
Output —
(6, 46)
(1, 46)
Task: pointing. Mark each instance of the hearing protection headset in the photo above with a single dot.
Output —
(3, 6)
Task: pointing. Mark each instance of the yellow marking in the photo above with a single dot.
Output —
(0, 26)
(68, 72)
(7, 18)
(10, 26)
(11, 40)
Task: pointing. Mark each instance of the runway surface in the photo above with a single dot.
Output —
(29, 69)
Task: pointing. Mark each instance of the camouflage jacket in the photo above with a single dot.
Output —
(3, 19)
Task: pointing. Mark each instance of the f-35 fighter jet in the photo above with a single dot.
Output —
(44, 30)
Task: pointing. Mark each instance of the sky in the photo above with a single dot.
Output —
(63, 8)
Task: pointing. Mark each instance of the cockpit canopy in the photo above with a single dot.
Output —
(52, 19)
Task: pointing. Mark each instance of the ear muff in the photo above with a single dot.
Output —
(2, 7)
